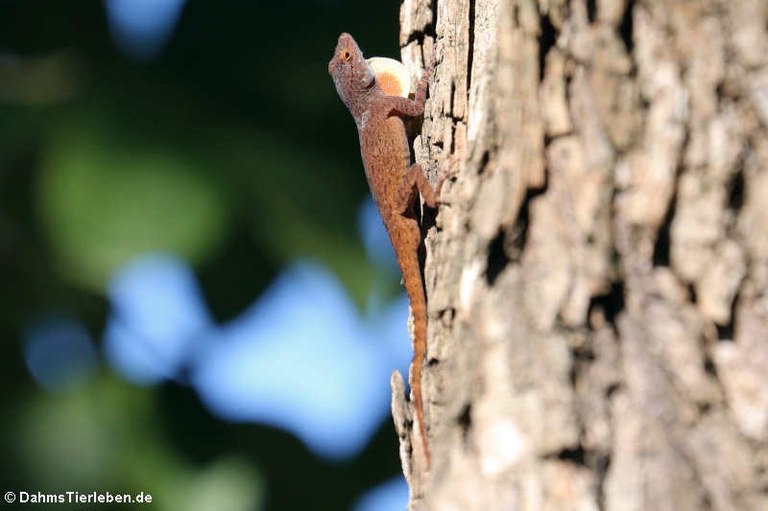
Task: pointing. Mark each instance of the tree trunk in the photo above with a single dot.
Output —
(598, 281)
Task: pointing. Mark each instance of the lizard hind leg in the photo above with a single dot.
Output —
(414, 180)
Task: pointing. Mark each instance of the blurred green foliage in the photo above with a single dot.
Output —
(103, 199)
(96, 436)
(230, 149)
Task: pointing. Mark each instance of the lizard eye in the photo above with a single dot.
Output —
(346, 56)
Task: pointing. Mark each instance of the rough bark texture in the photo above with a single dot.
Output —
(598, 283)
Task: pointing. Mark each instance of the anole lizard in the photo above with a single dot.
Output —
(393, 182)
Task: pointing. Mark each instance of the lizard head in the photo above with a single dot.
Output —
(350, 71)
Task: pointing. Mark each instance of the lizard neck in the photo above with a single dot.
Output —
(360, 105)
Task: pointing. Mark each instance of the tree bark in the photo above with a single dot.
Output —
(598, 281)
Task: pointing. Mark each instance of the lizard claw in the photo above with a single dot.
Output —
(439, 188)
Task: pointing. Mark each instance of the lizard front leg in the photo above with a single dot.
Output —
(410, 107)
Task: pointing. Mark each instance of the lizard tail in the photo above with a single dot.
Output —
(415, 291)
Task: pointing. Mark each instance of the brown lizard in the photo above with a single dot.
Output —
(393, 182)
